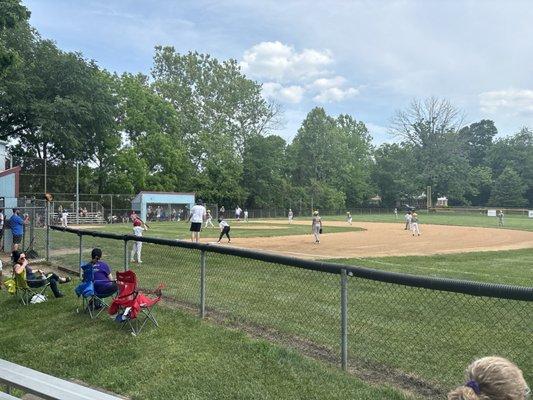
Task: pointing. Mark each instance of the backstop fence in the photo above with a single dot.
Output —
(411, 331)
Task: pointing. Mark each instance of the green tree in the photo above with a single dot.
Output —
(12, 13)
(509, 190)
(478, 138)
(394, 174)
(219, 109)
(263, 171)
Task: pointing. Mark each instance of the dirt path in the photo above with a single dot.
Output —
(390, 239)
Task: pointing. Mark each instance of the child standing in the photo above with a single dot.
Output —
(137, 246)
(224, 229)
(500, 218)
(290, 216)
(349, 217)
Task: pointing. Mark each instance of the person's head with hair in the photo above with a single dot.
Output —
(492, 378)
(96, 254)
(15, 256)
(199, 201)
(315, 212)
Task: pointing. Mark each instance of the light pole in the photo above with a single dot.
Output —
(77, 192)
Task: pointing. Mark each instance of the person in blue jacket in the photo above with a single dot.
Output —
(17, 228)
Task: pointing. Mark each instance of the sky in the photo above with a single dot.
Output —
(366, 58)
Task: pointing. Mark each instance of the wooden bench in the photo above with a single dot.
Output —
(45, 386)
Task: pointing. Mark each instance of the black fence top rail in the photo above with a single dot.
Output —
(472, 288)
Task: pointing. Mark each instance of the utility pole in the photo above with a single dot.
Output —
(77, 192)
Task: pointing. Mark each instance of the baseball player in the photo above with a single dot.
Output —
(209, 220)
(349, 217)
(138, 228)
(414, 224)
(407, 218)
(290, 215)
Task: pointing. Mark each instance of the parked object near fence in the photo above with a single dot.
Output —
(391, 325)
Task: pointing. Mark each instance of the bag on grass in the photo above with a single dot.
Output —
(10, 285)
(38, 298)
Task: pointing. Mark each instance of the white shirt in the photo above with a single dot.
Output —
(138, 230)
(222, 224)
(408, 217)
(238, 211)
(197, 213)
(64, 215)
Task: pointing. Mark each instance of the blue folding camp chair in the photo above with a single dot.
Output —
(92, 302)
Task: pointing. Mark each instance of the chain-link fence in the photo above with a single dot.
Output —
(414, 332)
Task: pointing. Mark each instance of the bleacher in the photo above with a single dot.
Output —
(91, 218)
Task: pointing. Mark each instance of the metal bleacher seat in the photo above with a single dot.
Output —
(45, 386)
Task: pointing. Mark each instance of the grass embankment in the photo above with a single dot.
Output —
(431, 335)
(185, 358)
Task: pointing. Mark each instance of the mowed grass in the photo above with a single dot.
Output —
(517, 222)
(180, 230)
(428, 334)
(513, 267)
(183, 359)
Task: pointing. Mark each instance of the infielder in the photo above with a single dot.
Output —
(407, 220)
(414, 224)
(316, 226)
(349, 217)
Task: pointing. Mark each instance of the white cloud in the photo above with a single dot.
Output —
(280, 62)
(335, 94)
(287, 94)
(510, 102)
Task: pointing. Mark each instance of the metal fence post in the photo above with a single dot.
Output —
(126, 255)
(202, 284)
(344, 320)
(47, 222)
(80, 255)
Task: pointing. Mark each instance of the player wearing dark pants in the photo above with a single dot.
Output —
(224, 229)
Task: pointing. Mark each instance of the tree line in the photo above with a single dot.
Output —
(199, 124)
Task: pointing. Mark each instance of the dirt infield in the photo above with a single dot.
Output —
(390, 239)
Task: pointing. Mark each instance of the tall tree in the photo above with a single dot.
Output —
(478, 139)
(509, 190)
(263, 171)
(12, 14)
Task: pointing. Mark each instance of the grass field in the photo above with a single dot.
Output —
(510, 222)
(184, 358)
(429, 335)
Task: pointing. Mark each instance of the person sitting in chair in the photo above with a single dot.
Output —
(104, 284)
(37, 276)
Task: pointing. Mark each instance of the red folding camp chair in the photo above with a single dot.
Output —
(133, 308)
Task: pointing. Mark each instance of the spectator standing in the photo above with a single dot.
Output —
(238, 211)
(17, 227)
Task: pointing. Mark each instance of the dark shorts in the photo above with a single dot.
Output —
(196, 226)
(17, 239)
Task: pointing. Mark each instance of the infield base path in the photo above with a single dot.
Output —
(389, 239)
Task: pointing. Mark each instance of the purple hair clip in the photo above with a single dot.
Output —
(474, 386)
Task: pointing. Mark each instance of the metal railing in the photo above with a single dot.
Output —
(398, 328)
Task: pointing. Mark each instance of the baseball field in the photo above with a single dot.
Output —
(272, 331)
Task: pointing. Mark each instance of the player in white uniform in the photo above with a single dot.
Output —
(245, 215)
(414, 224)
(407, 218)
(349, 217)
(138, 228)
(209, 220)
(290, 216)
(64, 219)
